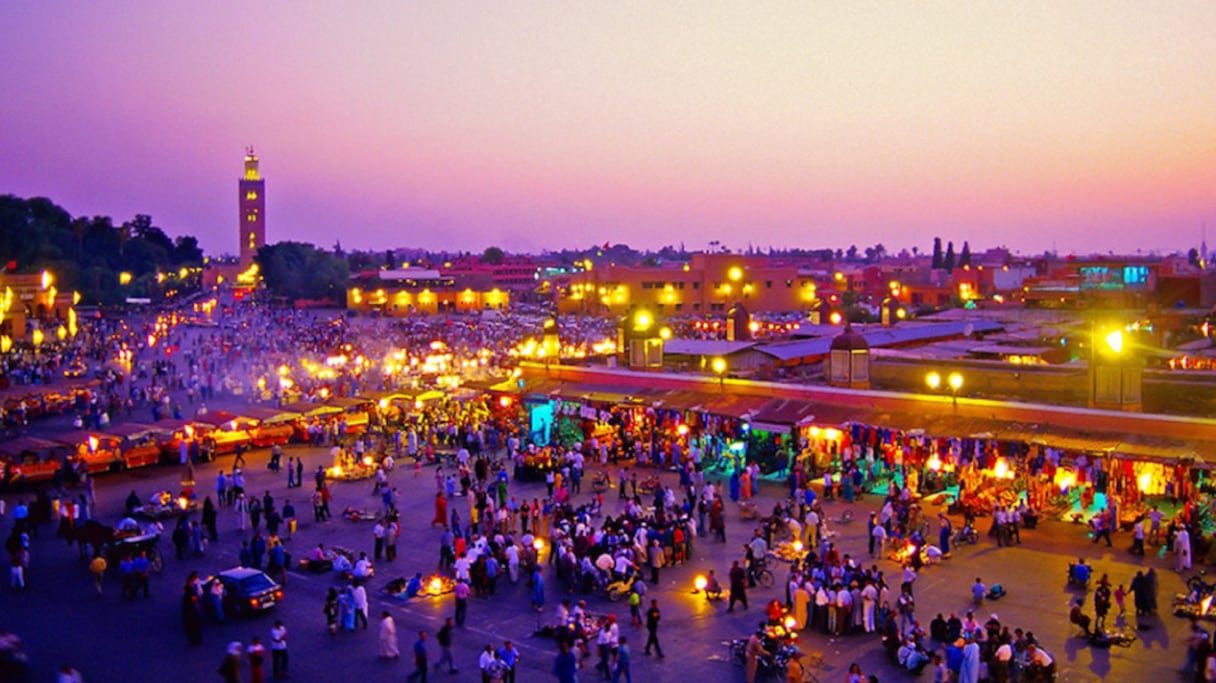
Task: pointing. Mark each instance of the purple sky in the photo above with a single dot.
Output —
(1090, 125)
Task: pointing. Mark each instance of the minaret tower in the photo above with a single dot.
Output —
(252, 202)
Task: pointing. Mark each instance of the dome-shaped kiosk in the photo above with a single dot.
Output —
(849, 360)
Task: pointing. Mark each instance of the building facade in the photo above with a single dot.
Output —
(708, 284)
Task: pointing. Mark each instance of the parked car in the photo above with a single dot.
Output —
(248, 591)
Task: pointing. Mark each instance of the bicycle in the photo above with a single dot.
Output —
(761, 574)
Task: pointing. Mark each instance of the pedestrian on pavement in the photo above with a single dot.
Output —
(359, 593)
(390, 540)
(278, 650)
(444, 636)
(210, 516)
(565, 665)
(653, 615)
(738, 586)
(461, 593)
(192, 616)
(509, 656)
(388, 637)
(257, 660)
(421, 664)
(230, 667)
(621, 663)
(98, 569)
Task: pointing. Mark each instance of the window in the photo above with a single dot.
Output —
(696, 285)
(251, 195)
(679, 308)
(789, 283)
(717, 307)
(768, 284)
(696, 307)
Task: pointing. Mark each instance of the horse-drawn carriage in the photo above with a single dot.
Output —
(116, 544)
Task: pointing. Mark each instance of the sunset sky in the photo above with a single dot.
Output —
(536, 125)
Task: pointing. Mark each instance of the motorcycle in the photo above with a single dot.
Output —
(967, 535)
(619, 589)
(1199, 588)
(601, 482)
(774, 666)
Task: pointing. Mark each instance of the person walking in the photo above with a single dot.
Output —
(390, 540)
(653, 615)
(420, 659)
(98, 569)
(565, 665)
(359, 593)
(388, 637)
(461, 593)
(509, 656)
(621, 663)
(738, 586)
(656, 562)
(230, 668)
(278, 650)
(192, 616)
(444, 636)
(257, 660)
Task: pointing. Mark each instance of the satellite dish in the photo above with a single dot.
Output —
(968, 330)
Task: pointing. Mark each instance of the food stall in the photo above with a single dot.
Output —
(310, 413)
(274, 425)
(355, 413)
(226, 430)
(29, 459)
(100, 452)
(139, 445)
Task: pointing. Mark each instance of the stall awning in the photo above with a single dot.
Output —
(598, 393)
(680, 400)
(781, 415)
(733, 405)
(26, 444)
(1164, 449)
(136, 430)
(81, 438)
(270, 415)
(346, 402)
(219, 418)
(309, 409)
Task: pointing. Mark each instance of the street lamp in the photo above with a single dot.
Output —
(954, 380)
(719, 366)
(956, 383)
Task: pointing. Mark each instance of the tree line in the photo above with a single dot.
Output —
(88, 254)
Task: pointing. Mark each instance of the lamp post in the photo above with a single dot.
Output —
(719, 366)
(954, 381)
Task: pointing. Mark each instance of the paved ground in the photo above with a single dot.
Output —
(115, 641)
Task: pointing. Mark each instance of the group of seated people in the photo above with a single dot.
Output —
(320, 560)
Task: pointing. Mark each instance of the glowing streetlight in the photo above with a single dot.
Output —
(735, 273)
(954, 380)
(1114, 341)
(719, 367)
